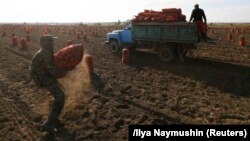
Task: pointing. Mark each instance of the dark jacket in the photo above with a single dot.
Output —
(197, 15)
(42, 68)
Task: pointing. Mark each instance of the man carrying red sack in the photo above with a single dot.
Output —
(42, 71)
(197, 16)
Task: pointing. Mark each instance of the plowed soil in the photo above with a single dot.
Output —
(212, 86)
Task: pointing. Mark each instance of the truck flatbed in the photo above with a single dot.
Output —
(177, 32)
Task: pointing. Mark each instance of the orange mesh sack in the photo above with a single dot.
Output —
(69, 56)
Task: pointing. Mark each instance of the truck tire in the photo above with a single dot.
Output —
(167, 53)
(114, 47)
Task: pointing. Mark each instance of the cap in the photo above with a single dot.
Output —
(47, 40)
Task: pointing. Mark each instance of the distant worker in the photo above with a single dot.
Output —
(42, 70)
(197, 16)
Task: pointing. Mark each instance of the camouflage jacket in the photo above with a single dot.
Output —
(42, 68)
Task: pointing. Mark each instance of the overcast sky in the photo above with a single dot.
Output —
(114, 10)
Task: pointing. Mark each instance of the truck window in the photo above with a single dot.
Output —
(128, 26)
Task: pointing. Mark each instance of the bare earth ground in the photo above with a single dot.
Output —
(211, 87)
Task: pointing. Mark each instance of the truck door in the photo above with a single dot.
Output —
(126, 36)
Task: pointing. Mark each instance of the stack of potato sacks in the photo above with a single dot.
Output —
(166, 15)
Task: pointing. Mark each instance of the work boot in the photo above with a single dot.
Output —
(49, 127)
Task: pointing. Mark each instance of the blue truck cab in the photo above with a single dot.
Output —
(119, 38)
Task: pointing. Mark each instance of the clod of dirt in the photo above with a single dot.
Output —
(100, 128)
(96, 97)
(119, 124)
(104, 100)
(4, 119)
(37, 118)
(79, 107)
(86, 114)
(142, 119)
(11, 129)
(122, 106)
(159, 122)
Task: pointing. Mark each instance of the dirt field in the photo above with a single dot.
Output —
(211, 87)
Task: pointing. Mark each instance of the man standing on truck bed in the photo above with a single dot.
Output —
(197, 16)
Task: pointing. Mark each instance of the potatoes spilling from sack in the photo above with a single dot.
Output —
(77, 79)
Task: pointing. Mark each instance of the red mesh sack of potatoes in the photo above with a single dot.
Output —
(201, 26)
(172, 11)
(171, 18)
(69, 56)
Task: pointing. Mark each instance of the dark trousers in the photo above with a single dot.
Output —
(58, 103)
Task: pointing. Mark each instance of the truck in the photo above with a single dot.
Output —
(170, 40)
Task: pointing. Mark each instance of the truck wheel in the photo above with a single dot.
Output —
(167, 54)
(114, 47)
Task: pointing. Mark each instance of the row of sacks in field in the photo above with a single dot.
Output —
(166, 15)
